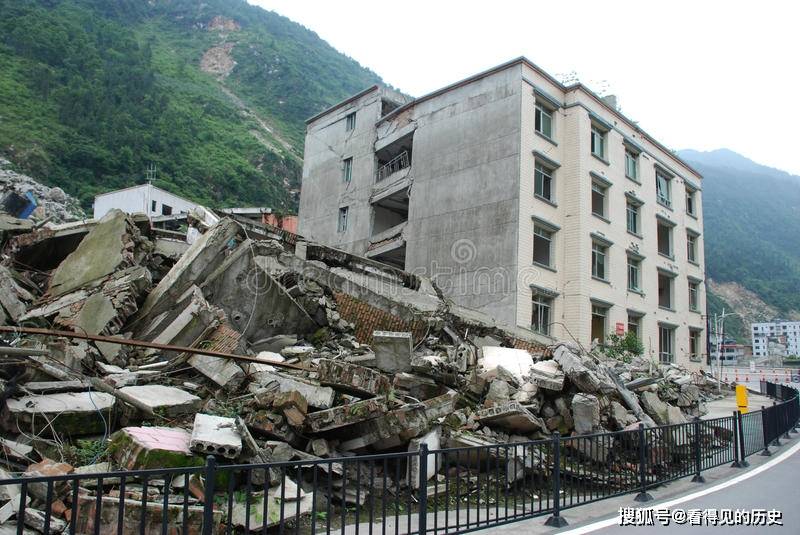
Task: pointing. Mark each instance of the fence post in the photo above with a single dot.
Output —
(736, 453)
(742, 453)
(698, 462)
(208, 494)
(785, 420)
(775, 429)
(423, 488)
(643, 495)
(764, 424)
(795, 412)
(556, 520)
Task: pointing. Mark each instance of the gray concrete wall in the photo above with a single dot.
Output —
(463, 214)
(324, 189)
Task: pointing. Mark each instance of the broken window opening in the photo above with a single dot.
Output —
(166, 209)
(599, 199)
(663, 191)
(599, 314)
(350, 122)
(347, 169)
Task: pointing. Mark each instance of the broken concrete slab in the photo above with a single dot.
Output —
(353, 379)
(48, 468)
(547, 374)
(433, 440)
(215, 435)
(108, 247)
(344, 415)
(516, 361)
(168, 401)
(284, 502)
(583, 373)
(510, 416)
(152, 447)
(70, 414)
(317, 396)
(417, 386)
(585, 413)
(393, 350)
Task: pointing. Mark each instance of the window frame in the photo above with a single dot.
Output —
(691, 247)
(597, 133)
(670, 239)
(600, 249)
(631, 156)
(691, 208)
(546, 171)
(635, 264)
(666, 349)
(634, 319)
(694, 295)
(549, 235)
(670, 290)
(541, 110)
(664, 193)
(350, 122)
(599, 311)
(602, 190)
(541, 301)
(347, 170)
(632, 210)
(342, 221)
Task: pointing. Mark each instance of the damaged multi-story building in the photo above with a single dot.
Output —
(535, 202)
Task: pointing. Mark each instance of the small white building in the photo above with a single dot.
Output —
(776, 338)
(145, 199)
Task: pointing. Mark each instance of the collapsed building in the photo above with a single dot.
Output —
(125, 348)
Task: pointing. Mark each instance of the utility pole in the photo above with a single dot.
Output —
(719, 327)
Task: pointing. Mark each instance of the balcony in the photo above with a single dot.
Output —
(398, 163)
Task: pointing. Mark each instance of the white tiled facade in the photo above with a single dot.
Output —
(777, 331)
(473, 148)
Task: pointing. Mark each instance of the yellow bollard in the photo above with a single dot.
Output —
(741, 398)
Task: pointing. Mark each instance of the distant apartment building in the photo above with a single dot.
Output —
(729, 351)
(776, 338)
(535, 202)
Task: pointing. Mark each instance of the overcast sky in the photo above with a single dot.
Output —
(700, 74)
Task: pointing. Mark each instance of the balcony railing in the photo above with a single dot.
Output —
(401, 161)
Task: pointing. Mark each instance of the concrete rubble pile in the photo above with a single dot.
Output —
(343, 357)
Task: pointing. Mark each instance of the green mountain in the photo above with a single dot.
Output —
(752, 227)
(214, 93)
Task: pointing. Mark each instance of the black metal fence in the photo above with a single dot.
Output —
(444, 491)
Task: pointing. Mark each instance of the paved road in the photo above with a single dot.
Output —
(774, 488)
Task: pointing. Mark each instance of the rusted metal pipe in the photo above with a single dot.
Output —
(148, 345)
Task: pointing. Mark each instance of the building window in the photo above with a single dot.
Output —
(666, 344)
(166, 209)
(543, 181)
(631, 165)
(542, 246)
(664, 291)
(694, 344)
(634, 267)
(598, 142)
(634, 324)
(690, 204)
(542, 307)
(599, 314)
(691, 247)
(350, 122)
(599, 255)
(343, 213)
(544, 120)
(599, 194)
(663, 189)
(347, 169)
(153, 206)
(664, 239)
(694, 303)
(633, 218)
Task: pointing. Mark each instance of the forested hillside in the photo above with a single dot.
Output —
(213, 93)
(752, 228)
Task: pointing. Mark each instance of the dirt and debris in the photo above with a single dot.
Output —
(255, 346)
